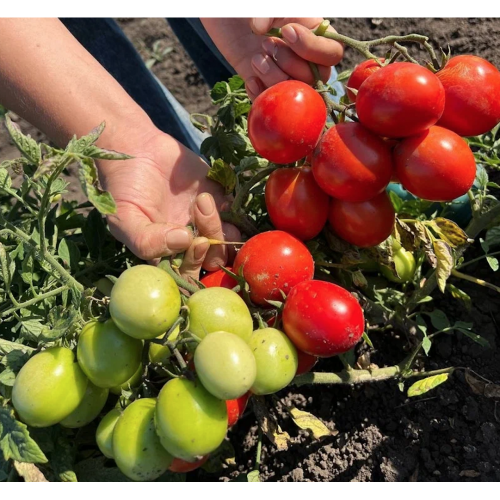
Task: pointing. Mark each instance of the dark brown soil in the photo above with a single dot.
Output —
(450, 434)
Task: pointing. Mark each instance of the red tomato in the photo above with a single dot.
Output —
(364, 224)
(306, 362)
(286, 121)
(219, 278)
(436, 165)
(179, 465)
(360, 74)
(472, 87)
(400, 100)
(351, 163)
(322, 319)
(235, 408)
(295, 203)
(273, 261)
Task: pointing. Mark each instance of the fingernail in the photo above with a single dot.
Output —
(205, 204)
(260, 24)
(289, 34)
(253, 86)
(260, 63)
(178, 239)
(270, 47)
(201, 249)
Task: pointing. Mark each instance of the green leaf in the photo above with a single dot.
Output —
(367, 340)
(344, 75)
(251, 163)
(397, 202)
(439, 319)
(69, 253)
(5, 180)
(78, 146)
(444, 262)
(493, 262)
(253, 476)
(219, 91)
(229, 146)
(30, 329)
(456, 293)
(307, 421)
(493, 237)
(7, 377)
(61, 320)
(241, 108)
(465, 328)
(63, 458)
(15, 441)
(223, 174)
(102, 200)
(26, 145)
(104, 154)
(94, 232)
(426, 345)
(450, 231)
(425, 385)
(236, 83)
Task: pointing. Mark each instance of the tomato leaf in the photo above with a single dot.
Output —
(253, 476)
(450, 232)
(439, 319)
(456, 293)
(69, 253)
(104, 154)
(251, 163)
(63, 458)
(465, 328)
(444, 262)
(15, 441)
(29, 472)
(493, 237)
(307, 421)
(359, 279)
(493, 263)
(24, 143)
(5, 180)
(367, 340)
(222, 173)
(425, 385)
(79, 146)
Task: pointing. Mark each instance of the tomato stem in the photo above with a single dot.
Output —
(181, 282)
(477, 281)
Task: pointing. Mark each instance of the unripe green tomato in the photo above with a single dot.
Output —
(161, 353)
(107, 356)
(219, 309)
(104, 285)
(276, 358)
(145, 302)
(225, 365)
(49, 387)
(104, 432)
(90, 407)
(189, 420)
(132, 382)
(136, 447)
(405, 266)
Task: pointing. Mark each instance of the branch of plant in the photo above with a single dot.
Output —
(481, 257)
(242, 195)
(474, 280)
(181, 282)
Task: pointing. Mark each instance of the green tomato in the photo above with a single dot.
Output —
(104, 285)
(49, 387)
(405, 266)
(225, 365)
(276, 359)
(92, 404)
(132, 382)
(104, 432)
(159, 353)
(107, 356)
(136, 447)
(219, 309)
(145, 302)
(189, 420)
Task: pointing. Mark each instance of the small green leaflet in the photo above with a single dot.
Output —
(425, 385)
(69, 253)
(307, 421)
(222, 173)
(26, 145)
(253, 476)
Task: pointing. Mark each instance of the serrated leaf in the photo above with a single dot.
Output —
(493, 237)
(229, 146)
(29, 472)
(426, 345)
(15, 441)
(251, 163)
(427, 384)
(456, 293)
(104, 154)
(253, 476)
(493, 262)
(444, 262)
(219, 91)
(69, 253)
(474, 336)
(62, 320)
(26, 144)
(236, 83)
(344, 75)
(78, 146)
(223, 174)
(102, 200)
(450, 231)
(241, 108)
(359, 279)
(7, 377)
(5, 180)
(30, 329)
(307, 421)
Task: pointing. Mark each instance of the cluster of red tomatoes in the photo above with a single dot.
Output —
(410, 125)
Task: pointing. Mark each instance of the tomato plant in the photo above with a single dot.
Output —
(286, 121)
(225, 365)
(351, 163)
(436, 165)
(295, 203)
(322, 319)
(400, 100)
(361, 72)
(471, 85)
(271, 263)
(364, 224)
(404, 262)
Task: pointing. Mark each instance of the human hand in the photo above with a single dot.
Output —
(157, 193)
(264, 61)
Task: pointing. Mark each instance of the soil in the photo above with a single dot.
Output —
(449, 434)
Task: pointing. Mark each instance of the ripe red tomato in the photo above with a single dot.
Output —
(322, 319)
(472, 86)
(306, 362)
(400, 100)
(286, 121)
(180, 466)
(351, 163)
(364, 224)
(295, 203)
(436, 165)
(236, 408)
(219, 278)
(273, 261)
(360, 74)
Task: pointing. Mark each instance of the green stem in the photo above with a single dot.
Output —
(21, 200)
(477, 259)
(242, 195)
(258, 455)
(476, 281)
(33, 301)
(241, 221)
(181, 282)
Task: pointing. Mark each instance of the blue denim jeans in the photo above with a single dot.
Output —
(105, 40)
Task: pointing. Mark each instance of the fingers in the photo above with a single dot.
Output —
(207, 220)
(254, 87)
(261, 25)
(231, 233)
(267, 70)
(310, 47)
(290, 63)
(193, 258)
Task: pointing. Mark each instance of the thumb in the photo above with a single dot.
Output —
(261, 25)
(146, 239)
